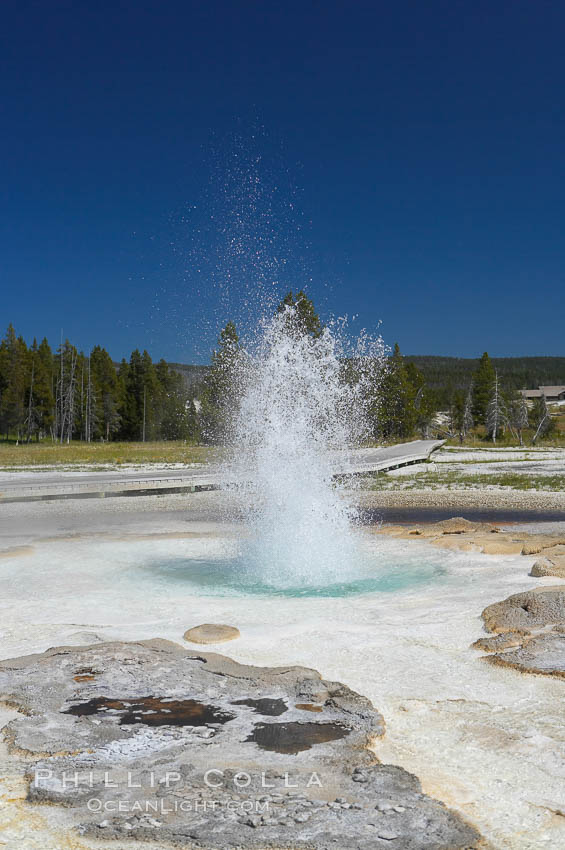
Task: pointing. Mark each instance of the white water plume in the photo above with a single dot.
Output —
(303, 402)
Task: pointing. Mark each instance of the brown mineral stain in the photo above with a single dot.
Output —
(85, 674)
(153, 711)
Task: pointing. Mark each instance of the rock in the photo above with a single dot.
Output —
(489, 544)
(534, 544)
(417, 531)
(554, 552)
(455, 525)
(150, 692)
(462, 535)
(457, 543)
(503, 545)
(543, 654)
(545, 567)
(211, 633)
(503, 640)
(514, 620)
(533, 609)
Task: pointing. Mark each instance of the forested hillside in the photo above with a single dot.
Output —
(445, 374)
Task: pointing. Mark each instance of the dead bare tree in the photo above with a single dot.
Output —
(496, 410)
(518, 416)
(32, 418)
(467, 422)
(91, 418)
(66, 394)
(542, 418)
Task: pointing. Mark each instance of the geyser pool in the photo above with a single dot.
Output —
(223, 569)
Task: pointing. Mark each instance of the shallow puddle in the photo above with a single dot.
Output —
(293, 738)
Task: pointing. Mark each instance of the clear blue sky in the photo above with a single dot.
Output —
(417, 149)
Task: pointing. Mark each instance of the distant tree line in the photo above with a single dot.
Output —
(444, 375)
(69, 395)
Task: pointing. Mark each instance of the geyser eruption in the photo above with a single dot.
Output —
(302, 403)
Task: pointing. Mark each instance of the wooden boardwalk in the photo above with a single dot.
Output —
(66, 484)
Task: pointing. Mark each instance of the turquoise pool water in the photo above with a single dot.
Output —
(227, 575)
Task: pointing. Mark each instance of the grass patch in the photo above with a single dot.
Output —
(488, 461)
(458, 481)
(48, 453)
(556, 440)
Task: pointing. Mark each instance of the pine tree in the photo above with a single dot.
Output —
(220, 391)
(150, 399)
(12, 384)
(301, 317)
(174, 407)
(44, 398)
(123, 403)
(107, 391)
(131, 411)
(403, 403)
(390, 403)
(483, 381)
